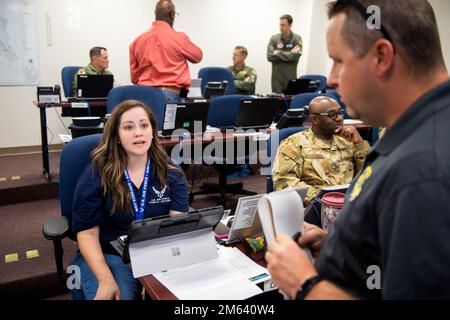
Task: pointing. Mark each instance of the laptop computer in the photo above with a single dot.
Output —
(297, 86)
(94, 86)
(255, 113)
(191, 116)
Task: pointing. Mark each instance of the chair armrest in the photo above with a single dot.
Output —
(55, 228)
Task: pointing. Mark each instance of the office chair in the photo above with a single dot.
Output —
(81, 131)
(276, 138)
(67, 75)
(303, 99)
(151, 96)
(222, 113)
(217, 74)
(315, 77)
(75, 156)
(337, 97)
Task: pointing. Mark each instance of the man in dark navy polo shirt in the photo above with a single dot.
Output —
(391, 240)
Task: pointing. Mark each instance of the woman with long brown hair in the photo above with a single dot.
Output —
(130, 177)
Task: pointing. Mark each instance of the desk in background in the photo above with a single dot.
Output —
(364, 129)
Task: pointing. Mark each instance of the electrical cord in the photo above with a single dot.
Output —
(61, 120)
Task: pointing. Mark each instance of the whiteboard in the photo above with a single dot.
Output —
(18, 43)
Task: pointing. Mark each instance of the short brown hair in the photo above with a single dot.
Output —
(96, 52)
(242, 49)
(287, 17)
(411, 25)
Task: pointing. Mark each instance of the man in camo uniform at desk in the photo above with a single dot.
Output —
(244, 76)
(326, 155)
(98, 65)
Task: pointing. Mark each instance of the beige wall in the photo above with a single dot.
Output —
(442, 10)
(318, 61)
(215, 25)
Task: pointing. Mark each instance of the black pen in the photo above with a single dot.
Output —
(307, 250)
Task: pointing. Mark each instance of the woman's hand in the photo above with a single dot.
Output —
(107, 290)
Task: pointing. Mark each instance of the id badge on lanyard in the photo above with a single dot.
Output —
(139, 211)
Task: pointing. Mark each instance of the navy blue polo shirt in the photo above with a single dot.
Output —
(90, 208)
(392, 239)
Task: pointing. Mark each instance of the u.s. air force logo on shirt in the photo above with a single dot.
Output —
(357, 188)
(159, 196)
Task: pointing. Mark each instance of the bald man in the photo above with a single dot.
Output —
(159, 57)
(326, 155)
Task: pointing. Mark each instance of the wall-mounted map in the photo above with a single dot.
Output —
(18, 44)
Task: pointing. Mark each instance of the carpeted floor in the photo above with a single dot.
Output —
(21, 230)
(21, 178)
(26, 169)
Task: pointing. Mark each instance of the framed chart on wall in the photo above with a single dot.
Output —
(18, 43)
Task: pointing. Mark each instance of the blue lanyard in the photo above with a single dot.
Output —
(139, 212)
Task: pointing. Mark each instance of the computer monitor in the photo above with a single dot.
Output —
(214, 89)
(297, 86)
(292, 118)
(186, 116)
(94, 86)
(256, 113)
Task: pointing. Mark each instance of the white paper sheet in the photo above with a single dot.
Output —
(352, 121)
(224, 278)
(245, 212)
(254, 271)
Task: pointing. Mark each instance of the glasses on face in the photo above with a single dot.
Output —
(330, 114)
(365, 15)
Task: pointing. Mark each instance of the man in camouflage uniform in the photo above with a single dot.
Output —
(284, 51)
(244, 76)
(99, 64)
(328, 154)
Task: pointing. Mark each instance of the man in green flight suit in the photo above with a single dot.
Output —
(244, 76)
(284, 51)
(99, 64)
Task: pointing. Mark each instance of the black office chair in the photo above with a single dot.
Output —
(222, 113)
(84, 126)
(217, 74)
(75, 156)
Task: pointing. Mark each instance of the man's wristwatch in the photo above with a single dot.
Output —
(307, 286)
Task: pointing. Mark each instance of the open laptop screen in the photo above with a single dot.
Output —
(191, 116)
(256, 113)
(94, 85)
(297, 86)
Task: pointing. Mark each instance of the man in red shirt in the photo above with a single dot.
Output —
(159, 56)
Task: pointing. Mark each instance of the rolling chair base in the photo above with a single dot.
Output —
(221, 188)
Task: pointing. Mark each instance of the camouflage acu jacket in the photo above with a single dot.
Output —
(304, 160)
